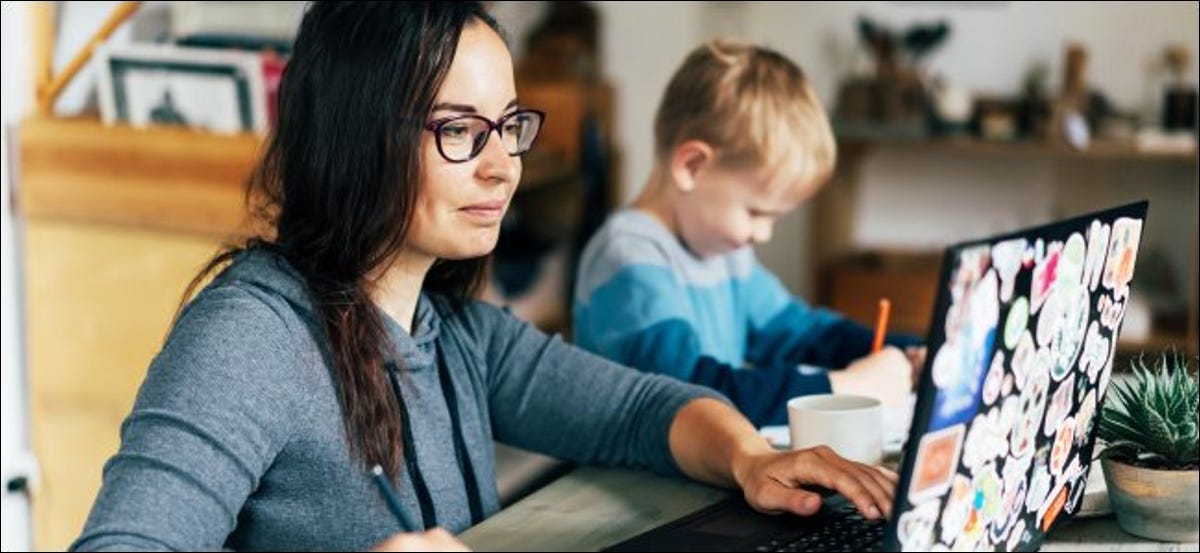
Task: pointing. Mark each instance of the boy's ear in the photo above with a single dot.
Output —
(687, 161)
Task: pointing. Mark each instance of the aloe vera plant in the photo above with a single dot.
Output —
(1150, 419)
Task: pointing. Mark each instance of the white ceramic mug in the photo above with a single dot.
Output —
(851, 425)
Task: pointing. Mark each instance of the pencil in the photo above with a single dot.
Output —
(885, 309)
(393, 502)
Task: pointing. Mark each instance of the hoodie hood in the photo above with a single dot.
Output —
(270, 273)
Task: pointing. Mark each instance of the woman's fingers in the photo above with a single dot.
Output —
(856, 482)
(775, 497)
(777, 484)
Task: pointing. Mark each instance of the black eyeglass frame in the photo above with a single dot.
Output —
(477, 147)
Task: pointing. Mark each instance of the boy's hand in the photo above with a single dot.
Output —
(772, 482)
(886, 375)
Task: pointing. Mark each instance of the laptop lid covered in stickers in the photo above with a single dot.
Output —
(1020, 352)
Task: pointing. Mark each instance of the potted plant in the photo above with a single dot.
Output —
(1151, 462)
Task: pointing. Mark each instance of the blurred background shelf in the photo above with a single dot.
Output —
(1004, 186)
(1025, 149)
(160, 178)
(1163, 341)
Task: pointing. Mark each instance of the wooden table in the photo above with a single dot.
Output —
(591, 508)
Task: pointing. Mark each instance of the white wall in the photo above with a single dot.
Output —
(991, 46)
(643, 43)
(14, 442)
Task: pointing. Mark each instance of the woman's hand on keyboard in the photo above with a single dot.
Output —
(776, 481)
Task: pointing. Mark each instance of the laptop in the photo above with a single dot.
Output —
(1020, 352)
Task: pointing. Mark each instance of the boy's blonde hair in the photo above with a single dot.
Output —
(753, 105)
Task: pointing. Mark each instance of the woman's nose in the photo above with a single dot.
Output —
(495, 163)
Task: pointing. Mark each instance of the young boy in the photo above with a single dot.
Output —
(671, 285)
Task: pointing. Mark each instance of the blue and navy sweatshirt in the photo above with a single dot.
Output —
(644, 300)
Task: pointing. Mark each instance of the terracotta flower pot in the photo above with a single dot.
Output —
(1157, 504)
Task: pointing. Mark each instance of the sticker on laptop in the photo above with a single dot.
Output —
(957, 511)
(984, 442)
(1018, 319)
(1010, 412)
(959, 375)
(1122, 251)
(1072, 260)
(1067, 341)
(937, 459)
(1006, 258)
(915, 528)
(1097, 248)
(994, 379)
(1022, 359)
(1051, 318)
(1060, 406)
(1053, 506)
(1064, 442)
(1039, 487)
(1014, 473)
(1018, 537)
(988, 497)
(984, 504)
(1032, 406)
(1095, 352)
(1010, 510)
(1044, 276)
(1112, 311)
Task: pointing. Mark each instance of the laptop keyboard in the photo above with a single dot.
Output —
(843, 530)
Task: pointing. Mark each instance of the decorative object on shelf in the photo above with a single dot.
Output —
(1035, 104)
(1179, 98)
(894, 101)
(153, 84)
(1152, 462)
(952, 108)
(1068, 124)
(997, 118)
(1079, 112)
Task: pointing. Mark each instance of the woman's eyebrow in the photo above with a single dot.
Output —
(465, 108)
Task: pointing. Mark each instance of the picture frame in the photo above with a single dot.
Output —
(220, 91)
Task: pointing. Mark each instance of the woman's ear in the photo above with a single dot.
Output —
(688, 160)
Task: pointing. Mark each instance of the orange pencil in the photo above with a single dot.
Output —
(885, 309)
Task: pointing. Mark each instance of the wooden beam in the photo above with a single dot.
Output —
(43, 19)
(49, 93)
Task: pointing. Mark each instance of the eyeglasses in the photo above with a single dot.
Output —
(461, 137)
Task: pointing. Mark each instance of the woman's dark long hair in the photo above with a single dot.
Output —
(339, 181)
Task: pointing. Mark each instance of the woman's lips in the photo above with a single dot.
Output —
(486, 212)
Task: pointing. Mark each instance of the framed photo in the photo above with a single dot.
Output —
(153, 84)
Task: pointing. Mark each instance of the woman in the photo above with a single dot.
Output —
(349, 339)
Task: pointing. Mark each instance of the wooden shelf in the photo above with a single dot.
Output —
(159, 178)
(1157, 343)
(1098, 150)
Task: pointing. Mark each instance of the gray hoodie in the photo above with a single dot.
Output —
(236, 437)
